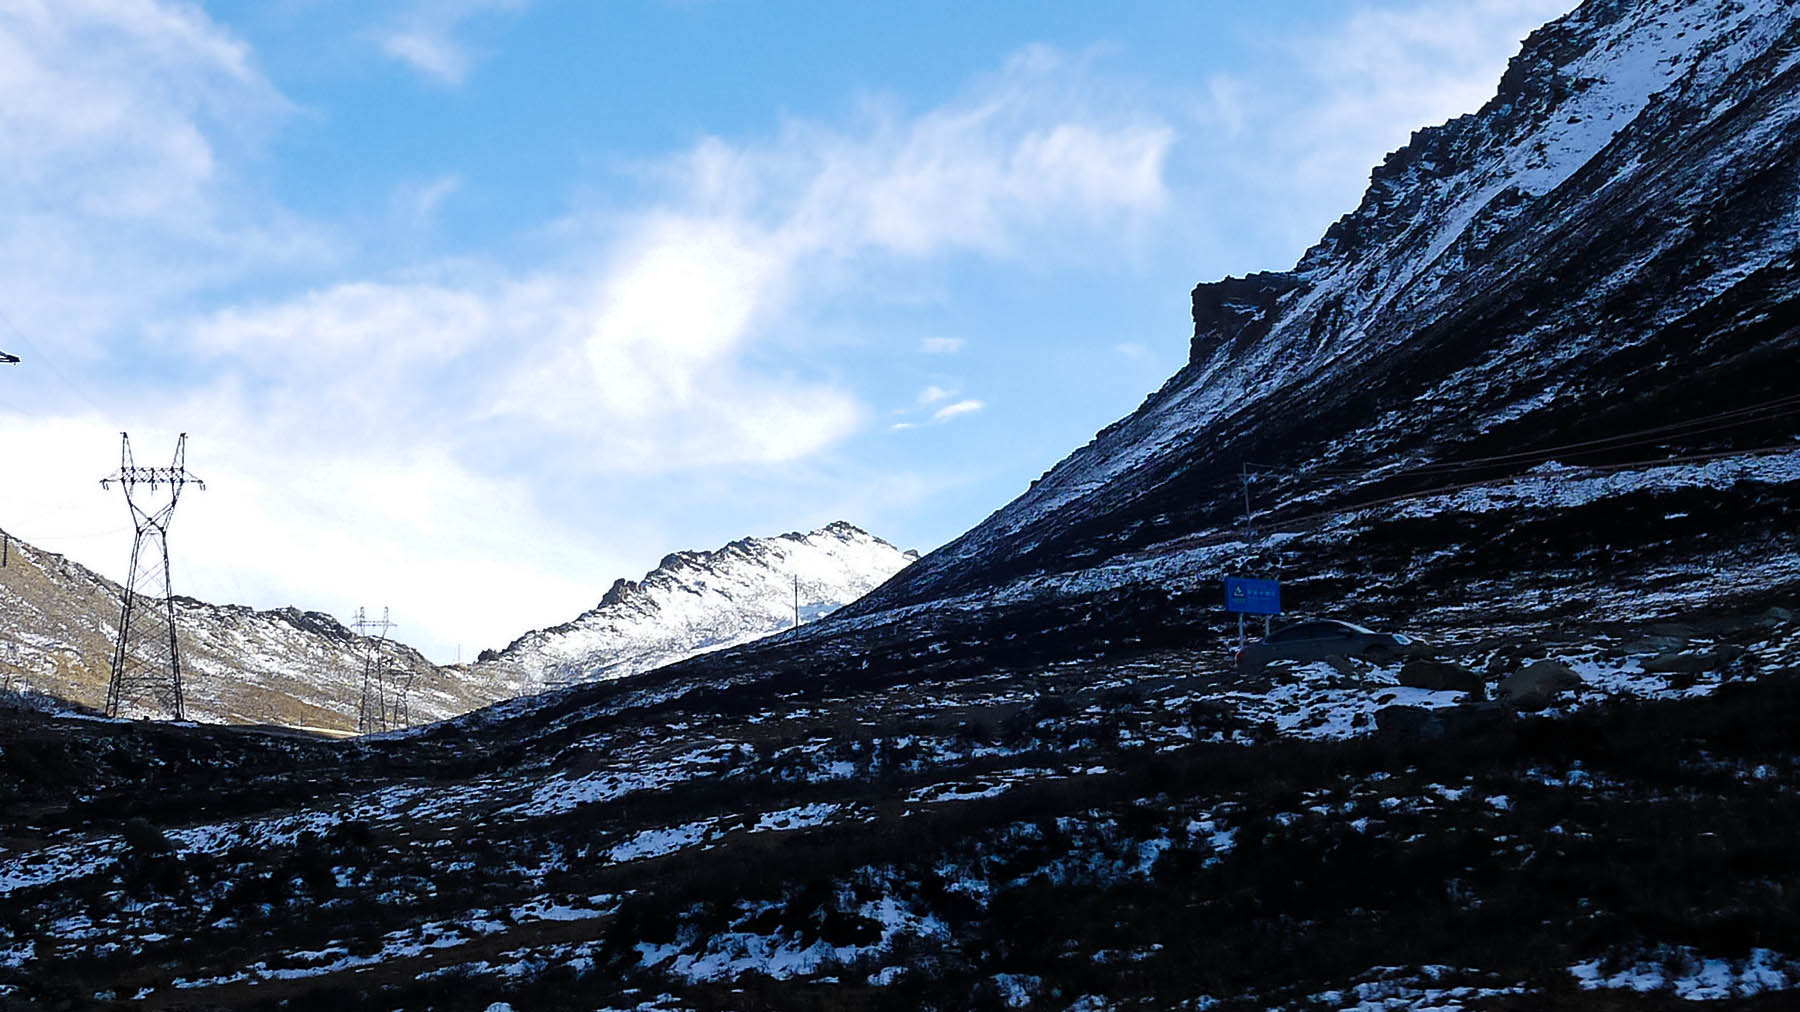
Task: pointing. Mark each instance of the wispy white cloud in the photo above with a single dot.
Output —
(124, 124)
(425, 37)
(941, 345)
(949, 411)
(1025, 152)
(416, 203)
(692, 286)
(930, 406)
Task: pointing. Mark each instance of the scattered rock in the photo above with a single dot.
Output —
(1738, 662)
(1651, 645)
(145, 838)
(1412, 722)
(1725, 657)
(1423, 723)
(1510, 658)
(1537, 685)
(1214, 715)
(1677, 663)
(1439, 676)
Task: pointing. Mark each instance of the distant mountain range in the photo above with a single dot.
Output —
(297, 668)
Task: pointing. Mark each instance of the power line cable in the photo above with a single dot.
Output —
(49, 363)
(1640, 437)
(1762, 411)
(34, 539)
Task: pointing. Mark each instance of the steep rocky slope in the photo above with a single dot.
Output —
(1596, 268)
(698, 601)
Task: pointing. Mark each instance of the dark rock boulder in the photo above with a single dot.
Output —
(1440, 676)
(1537, 685)
(1721, 658)
(1424, 723)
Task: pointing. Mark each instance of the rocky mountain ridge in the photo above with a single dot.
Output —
(694, 601)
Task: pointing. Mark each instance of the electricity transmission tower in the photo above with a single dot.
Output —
(146, 662)
(379, 709)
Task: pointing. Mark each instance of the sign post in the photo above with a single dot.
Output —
(1252, 597)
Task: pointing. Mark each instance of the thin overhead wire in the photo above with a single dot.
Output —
(40, 359)
(37, 539)
(1446, 489)
(1703, 425)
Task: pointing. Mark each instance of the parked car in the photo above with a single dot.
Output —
(1324, 637)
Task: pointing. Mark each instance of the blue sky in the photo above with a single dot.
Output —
(471, 306)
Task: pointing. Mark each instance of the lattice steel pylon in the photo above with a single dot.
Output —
(146, 663)
(373, 713)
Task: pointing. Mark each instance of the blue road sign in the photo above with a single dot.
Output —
(1256, 597)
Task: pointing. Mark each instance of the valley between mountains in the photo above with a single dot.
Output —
(1535, 401)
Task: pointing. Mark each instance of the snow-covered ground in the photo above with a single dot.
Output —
(1687, 974)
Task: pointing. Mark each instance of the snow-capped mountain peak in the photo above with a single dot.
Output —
(695, 601)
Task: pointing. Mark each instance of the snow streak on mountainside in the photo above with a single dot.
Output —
(1602, 253)
(694, 602)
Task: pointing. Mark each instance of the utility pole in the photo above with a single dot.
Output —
(372, 710)
(146, 662)
(1249, 532)
(1244, 478)
(796, 601)
(6, 545)
(6, 539)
